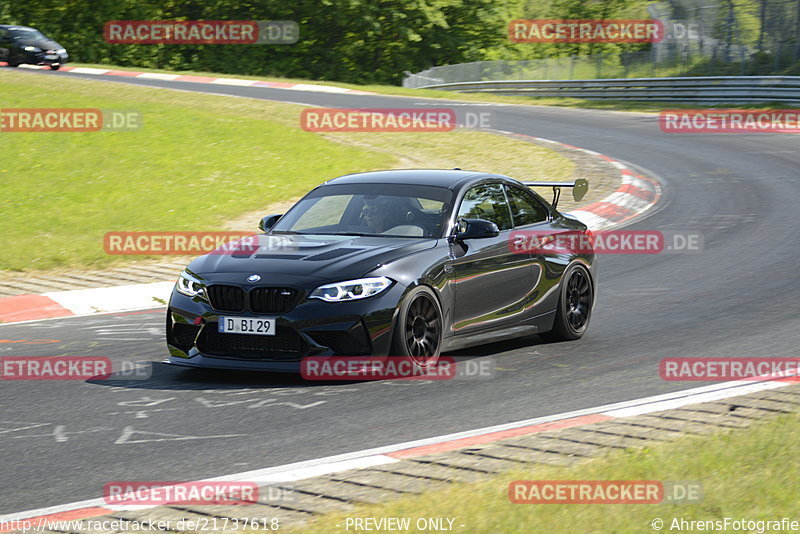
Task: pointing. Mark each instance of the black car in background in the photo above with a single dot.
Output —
(20, 44)
(408, 263)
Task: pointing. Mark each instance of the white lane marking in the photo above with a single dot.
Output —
(53, 509)
(40, 326)
(109, 299)
(60, 435)
(318, 88)
(628, 201)
(28, 425)
(639, 183)
(142, 414)
(128, 432)
(144, 402)
(712, 393)
(296, 406)
(592, 220)
(208, 403)
(247, 97)
(93, 315)
(89, 70)
(157, 76)
(463, 104)
(233, 81)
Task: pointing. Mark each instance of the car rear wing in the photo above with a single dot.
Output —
(579, 188)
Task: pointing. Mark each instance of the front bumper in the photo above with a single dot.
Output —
(311, 328)
(44, 58)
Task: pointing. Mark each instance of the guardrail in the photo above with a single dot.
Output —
(705, 90)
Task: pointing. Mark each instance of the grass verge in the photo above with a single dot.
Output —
(198, 162)
(747, 474)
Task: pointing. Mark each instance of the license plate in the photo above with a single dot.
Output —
(51, 56)
(247, 325)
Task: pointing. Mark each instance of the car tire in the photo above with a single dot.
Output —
(55, 67)
(419, 328)
(575, 301)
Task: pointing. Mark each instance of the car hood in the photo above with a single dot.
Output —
(308, 256)
(44, 44)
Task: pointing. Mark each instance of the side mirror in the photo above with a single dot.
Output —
(475, 229)
(268, 222)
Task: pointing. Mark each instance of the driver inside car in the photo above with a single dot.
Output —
(375, 214)
(386, 215)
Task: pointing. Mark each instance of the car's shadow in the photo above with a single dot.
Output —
(499, 347)
(160, 376)
(167, 377)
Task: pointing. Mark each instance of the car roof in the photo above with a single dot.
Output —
(15, 27)
(450, 178)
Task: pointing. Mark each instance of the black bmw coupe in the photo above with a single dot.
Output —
(20, 44)
(408, 263)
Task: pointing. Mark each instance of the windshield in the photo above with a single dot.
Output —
(27, 34)
(387, 210)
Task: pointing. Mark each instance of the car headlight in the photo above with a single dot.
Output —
(31, 49)
(190, 286)
(61, 51)
(351, 289)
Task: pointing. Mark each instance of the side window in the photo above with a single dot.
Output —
(488, 202)
(525, 208)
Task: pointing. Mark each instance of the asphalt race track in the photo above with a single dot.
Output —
(61, 441)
